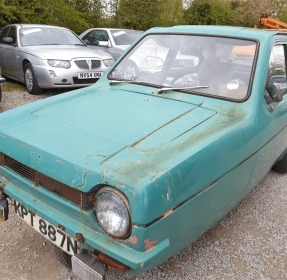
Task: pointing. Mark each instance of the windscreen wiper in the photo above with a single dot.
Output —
(111, 82)
(159, 91)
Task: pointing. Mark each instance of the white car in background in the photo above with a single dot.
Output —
(111, 40)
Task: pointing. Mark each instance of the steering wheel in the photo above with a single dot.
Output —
(183, 74)
(130, 71)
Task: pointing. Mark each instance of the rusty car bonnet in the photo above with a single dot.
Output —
(149, 118)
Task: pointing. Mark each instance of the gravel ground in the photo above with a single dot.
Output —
(249, 243)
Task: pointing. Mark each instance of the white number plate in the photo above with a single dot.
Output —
(89, 75)
(60, 238)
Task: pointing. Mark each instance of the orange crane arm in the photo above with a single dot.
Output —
(272, 23)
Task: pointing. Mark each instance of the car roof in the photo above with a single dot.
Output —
(103, 28)
(23, 25)
(213, 30)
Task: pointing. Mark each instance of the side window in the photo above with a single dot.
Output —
(277, 71)
(13, 35)
(95, 36)
(4, 34)
(102, 35)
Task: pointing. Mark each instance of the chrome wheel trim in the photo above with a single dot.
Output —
(29, 79)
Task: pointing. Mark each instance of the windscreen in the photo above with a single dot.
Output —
(36, 36)
(216, 66)
(125, 37)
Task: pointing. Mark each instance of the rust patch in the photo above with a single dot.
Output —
(80, 237)
(167, 213)
(149, 245)
(61, 227)
(133, 240)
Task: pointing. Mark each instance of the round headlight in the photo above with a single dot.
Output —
(112, 211)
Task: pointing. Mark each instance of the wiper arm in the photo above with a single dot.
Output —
(159, 91)
(111, 82)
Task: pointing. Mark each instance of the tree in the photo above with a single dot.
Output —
(20, 11)
(77, 15)
(60, 13)
(170, 12)
(110, 13)
(137, 14)
(247, 12)
(217, 12)
(91, 11)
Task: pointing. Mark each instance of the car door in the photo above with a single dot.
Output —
(98, 39)
(11, 67)
(4, 33)
(272, 112)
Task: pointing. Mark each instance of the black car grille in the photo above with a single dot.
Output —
(84, 200)
(84, 81)
(84, 64)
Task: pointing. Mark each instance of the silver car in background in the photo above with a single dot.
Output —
(2, 80)
(111, 40)
(43, 56)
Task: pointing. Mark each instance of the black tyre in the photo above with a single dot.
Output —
(61, 256)
(31, 82)
(281, 165)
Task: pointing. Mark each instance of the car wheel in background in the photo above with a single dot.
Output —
(31, 82)
(281, 165)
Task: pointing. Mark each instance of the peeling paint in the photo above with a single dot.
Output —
(85, 173)
(180, 177)
(59, 161)
(120, 185)
(167, 213)
(133, 240)
(103, 176)
(149, 245)
(168, 194)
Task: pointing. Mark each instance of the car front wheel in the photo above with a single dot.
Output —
(31, 80)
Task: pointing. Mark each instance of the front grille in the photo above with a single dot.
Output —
(84, 81)
(84, 64)
(84, 200)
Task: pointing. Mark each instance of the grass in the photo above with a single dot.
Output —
(12, 86)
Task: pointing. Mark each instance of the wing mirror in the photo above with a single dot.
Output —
(103, 43)
(276, 92)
